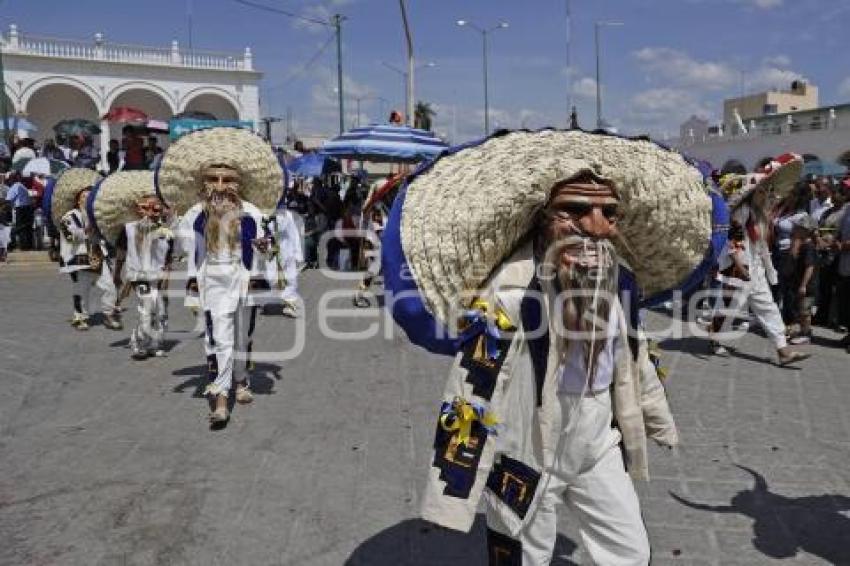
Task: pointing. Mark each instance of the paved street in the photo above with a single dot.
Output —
(108, 461)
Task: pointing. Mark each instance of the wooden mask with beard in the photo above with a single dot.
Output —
(574, 241)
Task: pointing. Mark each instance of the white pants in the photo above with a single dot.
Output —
(591, 479)
(5, 236)
(152, 316)
(82, 283)
(757, 297)
(290, 276)
(228, 347)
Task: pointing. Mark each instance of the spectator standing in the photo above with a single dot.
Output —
(800, 274)
(134, 157)
(790, 209)
(842, 246)
(22, 203)
(113, 157)
(828, 259)
(5, 222)
(823, 198)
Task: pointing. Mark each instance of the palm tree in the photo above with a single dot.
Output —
(423, 115)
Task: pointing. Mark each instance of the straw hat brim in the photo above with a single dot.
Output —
(69, 183)
(113, 202)
(781, 180)
(467, 212)
(178, 177)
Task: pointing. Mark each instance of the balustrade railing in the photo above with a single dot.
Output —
(99, 50)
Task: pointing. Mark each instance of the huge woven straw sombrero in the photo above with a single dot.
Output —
(113, 202)
(178, 177)
(69, 183)
(779, 175)
(468, 211)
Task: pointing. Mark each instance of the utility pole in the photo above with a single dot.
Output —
(569, 61)
(337, 23)
(597, 25)
(410, 65)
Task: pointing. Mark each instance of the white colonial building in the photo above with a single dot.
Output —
(48, 80)
(764, 125)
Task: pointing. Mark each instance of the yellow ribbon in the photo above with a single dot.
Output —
(460, 416)
(503, 322)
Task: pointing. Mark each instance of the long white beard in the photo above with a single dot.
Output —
(588, 292)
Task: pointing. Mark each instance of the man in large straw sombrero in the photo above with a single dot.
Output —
(81, 255)
(516, 251)
(221, 180)
(745, 265)
(128, 213)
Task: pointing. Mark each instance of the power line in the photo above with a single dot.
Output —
(303, 67)
(283, 12)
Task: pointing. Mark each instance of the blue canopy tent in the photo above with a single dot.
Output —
(385, 144)
(312, 165)
(818, 167)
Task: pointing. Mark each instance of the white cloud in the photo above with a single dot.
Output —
(663, 109)
(765, 4)
(681, 69)
(766, 78)
(777, 61)
(844, 87)
(585, 87)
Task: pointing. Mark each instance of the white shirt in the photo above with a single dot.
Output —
(23, 153)
(817, 208)
(147, 263)
(572, 374)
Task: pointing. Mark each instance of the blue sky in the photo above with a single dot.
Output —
(671, 59)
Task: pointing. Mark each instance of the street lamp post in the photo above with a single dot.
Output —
(408, 95)
(484, 33)
(597, 25)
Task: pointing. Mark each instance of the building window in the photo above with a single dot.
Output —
(770, 109)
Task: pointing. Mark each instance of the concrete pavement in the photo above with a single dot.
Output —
(108, 461)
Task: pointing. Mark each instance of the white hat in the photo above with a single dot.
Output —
(465, 214)
(178, 176)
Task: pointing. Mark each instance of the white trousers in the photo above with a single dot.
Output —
(152, 316)
(290, 276)
(757, 297)
(591, 479)
(228, 347)
(82, 283)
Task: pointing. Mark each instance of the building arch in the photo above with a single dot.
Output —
(58, 80)
(733, 166)
(13, 99)
(58, 101)
(138, 95)
(141, 86)
(844, 159)
(209, 99)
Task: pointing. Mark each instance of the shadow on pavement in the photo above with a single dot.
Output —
(784, 526)
(415, 542)
(263, 377)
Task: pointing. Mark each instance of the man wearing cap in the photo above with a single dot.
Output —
(525, 243)
(219, 178)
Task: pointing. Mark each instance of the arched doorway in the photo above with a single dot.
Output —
(148, 101)
(215, 104)
(733, 166)
(53, 103)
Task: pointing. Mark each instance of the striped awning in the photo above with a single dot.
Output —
(388, 144)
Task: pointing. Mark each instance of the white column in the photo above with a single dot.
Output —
(104, 144)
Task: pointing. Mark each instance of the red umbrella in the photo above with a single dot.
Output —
(126, 115)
